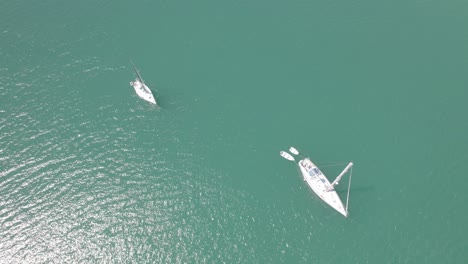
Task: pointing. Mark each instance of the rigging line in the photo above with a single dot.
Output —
(349, 188)
(333, 165)
(332, 162)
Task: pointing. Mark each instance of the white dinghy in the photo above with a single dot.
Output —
(293, 151)
(286, 156)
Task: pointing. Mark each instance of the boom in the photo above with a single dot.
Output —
(335, 182)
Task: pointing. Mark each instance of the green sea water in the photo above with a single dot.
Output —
(90, 173)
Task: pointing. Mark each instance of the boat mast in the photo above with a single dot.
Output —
(335, 182)
(137, 73)
(349, 188)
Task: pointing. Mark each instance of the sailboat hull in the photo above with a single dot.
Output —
(143, 91)
(319, 183)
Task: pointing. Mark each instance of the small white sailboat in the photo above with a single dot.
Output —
(142, 90)
(320, 184)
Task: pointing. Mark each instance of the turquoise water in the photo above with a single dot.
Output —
(91, 173)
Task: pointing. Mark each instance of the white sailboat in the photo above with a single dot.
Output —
(141, 88)
(320, 184)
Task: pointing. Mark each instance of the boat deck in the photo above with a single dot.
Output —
(319, 183)
(143, 91)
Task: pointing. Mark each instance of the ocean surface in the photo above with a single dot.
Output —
(90, 173)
